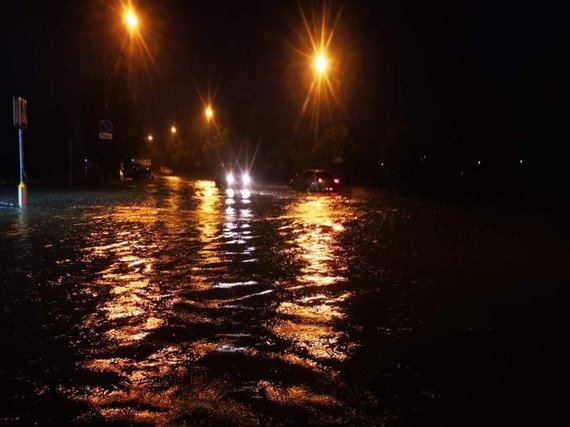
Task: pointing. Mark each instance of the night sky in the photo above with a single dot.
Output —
(471, 75)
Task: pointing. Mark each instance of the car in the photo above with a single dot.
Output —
(139, 173)
(229, 175)
(315, 180)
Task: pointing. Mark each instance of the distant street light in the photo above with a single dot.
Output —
(173, 130)
(209, 113)
(321, 63)
(131, 20)
(150, 138)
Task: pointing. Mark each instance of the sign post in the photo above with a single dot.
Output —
(20, 112)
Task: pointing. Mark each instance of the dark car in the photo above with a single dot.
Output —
(229, 175)
(139, 173)
(315, 180)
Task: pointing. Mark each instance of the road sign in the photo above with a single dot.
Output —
(20, 112)
(105, 130)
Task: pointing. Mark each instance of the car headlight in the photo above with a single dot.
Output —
(230, 178)
(246, 179)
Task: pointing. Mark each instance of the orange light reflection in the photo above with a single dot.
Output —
(308, 318)
(209, 223)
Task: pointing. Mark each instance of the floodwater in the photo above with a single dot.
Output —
(175, 303)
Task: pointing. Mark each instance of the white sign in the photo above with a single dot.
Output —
(106, 135)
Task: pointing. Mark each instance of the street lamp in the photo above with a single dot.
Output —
(131, 20)
(150, 138)
(173, 130)
(209, 113)
(321, 63)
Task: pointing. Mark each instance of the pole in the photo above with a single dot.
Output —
(22, 189)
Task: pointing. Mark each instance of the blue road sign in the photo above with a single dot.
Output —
(105, 126)
(105, 129)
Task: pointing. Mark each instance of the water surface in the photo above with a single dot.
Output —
(175, 303)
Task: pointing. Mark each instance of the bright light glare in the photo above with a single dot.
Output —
(230, 178)
(173, 129)
(209, 113)
(246, 179)
(321, 63)
(150, 137)
(131, 20)
(319, 57)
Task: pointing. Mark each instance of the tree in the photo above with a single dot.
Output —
(337, 141)
(217, 146)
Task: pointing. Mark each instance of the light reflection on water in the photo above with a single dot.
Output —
(316, 236)
(136, 305)
(142, 299)
(208, 223)
(187, 310)
(307, 321)
(128, 276)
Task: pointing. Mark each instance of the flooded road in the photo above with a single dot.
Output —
(175, 303)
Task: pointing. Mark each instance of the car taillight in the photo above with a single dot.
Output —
(336, 181)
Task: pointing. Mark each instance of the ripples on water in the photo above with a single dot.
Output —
(174, 303)
(203, 305)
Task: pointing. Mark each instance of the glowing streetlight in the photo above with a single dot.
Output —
(173, 130)
(131, 20)
(321, 63)
(209, 113)
(150, 138)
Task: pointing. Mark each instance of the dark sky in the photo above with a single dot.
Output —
(489, 70)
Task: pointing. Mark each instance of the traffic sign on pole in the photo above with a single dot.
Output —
(20, 117)
(106, 130)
